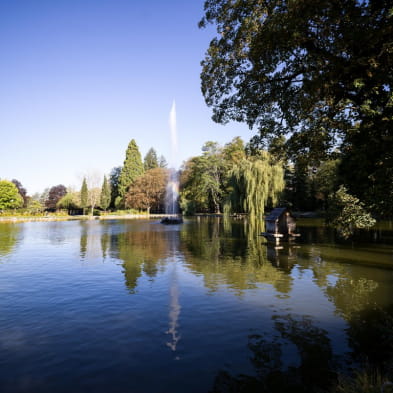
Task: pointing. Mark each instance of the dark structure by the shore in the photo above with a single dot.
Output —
(172, 220)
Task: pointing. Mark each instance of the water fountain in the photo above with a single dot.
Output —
(172, 188)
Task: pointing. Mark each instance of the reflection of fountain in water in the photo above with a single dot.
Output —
(172, 188)
(174, 312)
(174, 304)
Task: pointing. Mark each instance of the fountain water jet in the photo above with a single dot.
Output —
(172, 188)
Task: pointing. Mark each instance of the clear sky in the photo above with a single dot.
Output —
(80, 78)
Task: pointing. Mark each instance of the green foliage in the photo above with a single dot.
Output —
(105, 198)
(319, 73)
(132, 168)
(69, 201)
(234, 151)
(34, 207)
(203, 179)
(114, 185)
(150, 161)
(84, 195)
(363, 381)
(187, 207)
(347, 213)
(256, 183)
(9, 196)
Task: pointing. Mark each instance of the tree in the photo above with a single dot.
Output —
(54, 196)
(94, 198)
(256, 183)
(34, 206)
(114, 184)
(150, 160)
(105, 194)
(22, 191)
(93, 181)
(9, 196)
(319, 73)
(234, 151)
(70, 201)
(202, 180)
(84, 195)
(132, 168)
(347, 213)
(148, 191)
(326, 180)
(43, 197)
(162, 163)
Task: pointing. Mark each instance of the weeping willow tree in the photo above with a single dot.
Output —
(255, 182)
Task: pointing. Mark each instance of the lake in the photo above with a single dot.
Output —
(206, 306)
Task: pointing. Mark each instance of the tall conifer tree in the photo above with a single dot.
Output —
(84, 195)
(151, 160)
(105, 198)
(132, 168)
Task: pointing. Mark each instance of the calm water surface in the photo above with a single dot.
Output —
(137, 306)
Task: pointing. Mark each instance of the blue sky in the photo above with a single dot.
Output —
(80, 78)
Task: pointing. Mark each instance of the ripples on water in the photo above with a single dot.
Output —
(136, 306)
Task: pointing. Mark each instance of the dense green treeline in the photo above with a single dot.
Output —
(234, 178)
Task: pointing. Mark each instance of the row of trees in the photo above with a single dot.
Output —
(147, 178)
(234, 178)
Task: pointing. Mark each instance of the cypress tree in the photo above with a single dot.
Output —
(105, 198)
(132, 168)
(84, 195)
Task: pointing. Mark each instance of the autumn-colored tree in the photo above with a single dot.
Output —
(148, 191)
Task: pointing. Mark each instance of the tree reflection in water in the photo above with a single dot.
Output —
(313, 373)
(231, 255)
(142, 251)
(9, 234)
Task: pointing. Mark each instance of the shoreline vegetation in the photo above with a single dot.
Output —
(124, 215)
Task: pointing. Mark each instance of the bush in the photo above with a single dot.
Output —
(346, 213)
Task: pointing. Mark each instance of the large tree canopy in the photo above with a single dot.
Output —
(9, 195)
(319, 72)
